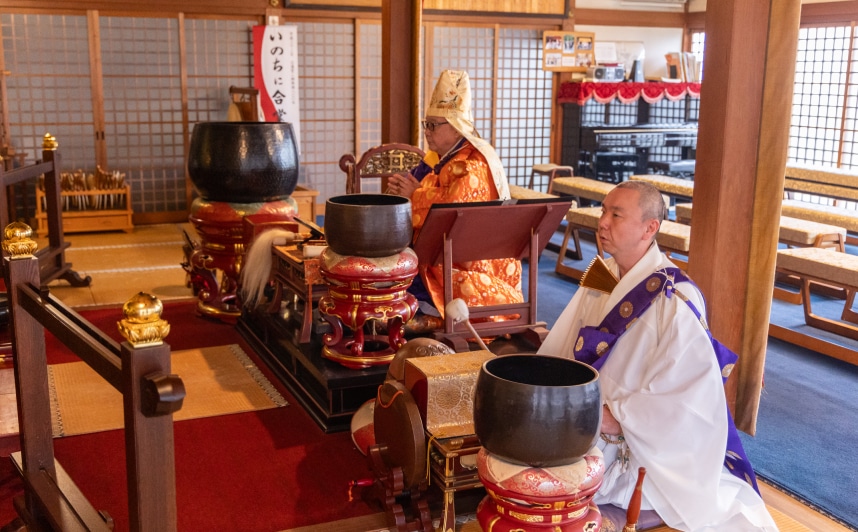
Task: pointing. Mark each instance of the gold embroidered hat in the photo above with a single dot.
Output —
(451, 99)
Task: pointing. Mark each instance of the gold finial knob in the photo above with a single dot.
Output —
(142, 323)
(49, 142)
(18, 240)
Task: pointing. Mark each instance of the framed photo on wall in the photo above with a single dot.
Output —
(568, 51)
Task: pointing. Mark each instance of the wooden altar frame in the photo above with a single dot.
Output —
(460, 232)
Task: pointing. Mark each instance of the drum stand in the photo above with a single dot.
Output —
(407, 508)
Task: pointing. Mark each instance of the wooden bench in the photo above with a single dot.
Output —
(588, 189)
(832, 268)
(793, 232)
(517, 192)
(827, 214)
(550, 171)
(836, 184)
(672, 238)
(583, 188)
(683, 168)
(833, 183)
(139, 369)
(672, 186)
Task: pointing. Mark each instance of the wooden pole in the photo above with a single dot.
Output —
(399, 72)
(745, 111)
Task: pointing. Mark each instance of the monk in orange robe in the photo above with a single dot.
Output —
(459, 167)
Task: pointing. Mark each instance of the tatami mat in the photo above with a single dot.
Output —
(111, 257)
(147, 259)
(218, 380)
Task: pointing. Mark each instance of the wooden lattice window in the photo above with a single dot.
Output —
(369, 87)
(143, 109)
(148, 113)
(523, 102)
(217, 58)
(819, 95)
(326, 64)
(698, 43)
(48, 85)
(47, 91)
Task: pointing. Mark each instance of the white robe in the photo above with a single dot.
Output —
(663, 384)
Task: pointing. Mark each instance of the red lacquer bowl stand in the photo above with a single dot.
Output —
(362, 290)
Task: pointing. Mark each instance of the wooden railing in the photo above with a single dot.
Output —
(52, 261)
(139, 369)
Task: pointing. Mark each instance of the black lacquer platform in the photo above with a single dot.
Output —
(329, 392)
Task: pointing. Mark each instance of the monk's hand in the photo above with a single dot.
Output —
(610, 425)
(402, 185)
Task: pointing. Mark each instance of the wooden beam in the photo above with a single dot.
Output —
(617, 17)
(745, 109)
(96, 80)
(828, 12)
(399, 71)
(230, 7)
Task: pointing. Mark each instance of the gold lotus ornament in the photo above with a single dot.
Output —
(142, 324)
(18, 240)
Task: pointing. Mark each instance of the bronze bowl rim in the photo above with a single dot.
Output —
(508, 430)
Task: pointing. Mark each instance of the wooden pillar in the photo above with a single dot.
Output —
(745, 112)
(400, 70)
(555, 149)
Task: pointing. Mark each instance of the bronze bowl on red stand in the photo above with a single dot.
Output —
(238, 169)
(537, 410)
(243, 162)
(368, 225)
(368, 267)
(537, 418)
(363, 290)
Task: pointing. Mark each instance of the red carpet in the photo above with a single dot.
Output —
(262, 471)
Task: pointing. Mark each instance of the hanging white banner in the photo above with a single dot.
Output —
(276, 74)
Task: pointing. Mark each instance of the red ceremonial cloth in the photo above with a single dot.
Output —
(626, 92)
(255, 471)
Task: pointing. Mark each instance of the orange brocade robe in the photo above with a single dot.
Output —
(466, 178)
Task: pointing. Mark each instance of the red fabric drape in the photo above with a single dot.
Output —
(651, 91)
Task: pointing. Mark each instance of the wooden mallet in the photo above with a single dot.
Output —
(458, 310)
(634, 510)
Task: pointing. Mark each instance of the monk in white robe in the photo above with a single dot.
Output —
(662, 388)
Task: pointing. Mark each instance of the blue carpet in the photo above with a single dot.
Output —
(807, 429)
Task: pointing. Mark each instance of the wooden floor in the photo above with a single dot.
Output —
(124, 251)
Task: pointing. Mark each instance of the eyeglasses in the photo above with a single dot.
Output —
(430, 126)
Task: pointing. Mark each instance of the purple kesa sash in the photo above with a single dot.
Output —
(594, 344)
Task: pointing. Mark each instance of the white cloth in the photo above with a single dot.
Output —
(663, 384)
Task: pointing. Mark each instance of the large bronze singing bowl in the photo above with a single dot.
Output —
(537, 410)
(368, 225)
(243, 162)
